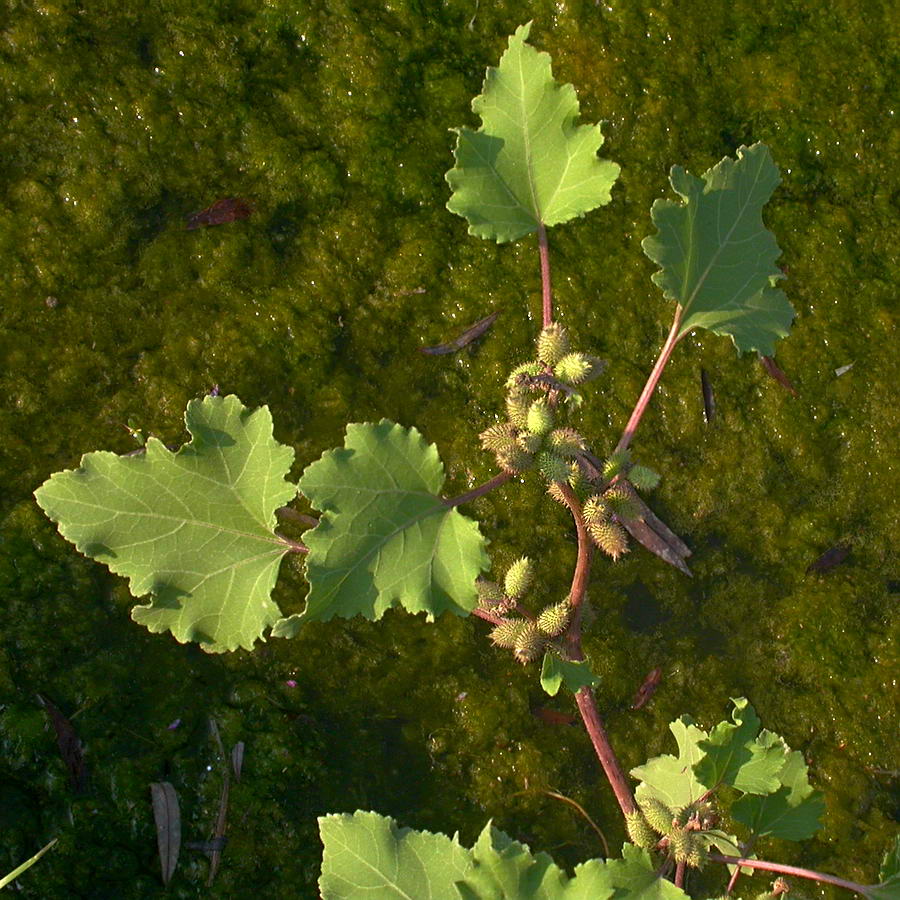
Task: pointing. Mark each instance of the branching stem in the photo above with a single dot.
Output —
(587, 703)
(546, 289)
(644, 400)
(796, 871)
(479, 491)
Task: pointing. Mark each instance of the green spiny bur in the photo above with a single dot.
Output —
(540, 417)
(643, 478)
(565, 441)
(640, 831)
(531, 443)
(506, 634)
(515, 460)
(609, 537)
(519, 577)
(527, 368)
(574, 368)
(530, 643)
(553, 467)
(621, 503)
(615, 464)
(681, 844)
(553, 344)
(499, 437)
(554, 619)
(518, 402)
(489, 594)
(595, 510)
(657, 814)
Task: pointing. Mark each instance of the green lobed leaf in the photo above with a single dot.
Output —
(194, 529)
(717, 258)
(792, 812)
(367, 855)
(385, 536)
(636, 876)
(556, 672)
(529, 163)
(671, 779)
(889, 886)
(739, 755)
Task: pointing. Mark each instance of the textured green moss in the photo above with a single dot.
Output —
(122, 118)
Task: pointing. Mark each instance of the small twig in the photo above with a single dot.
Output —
(679, 874)
(789, 870)
(479, 491)
(493, 618)
(581, 809)
(546, 289)
(643, 401)
(547, 382)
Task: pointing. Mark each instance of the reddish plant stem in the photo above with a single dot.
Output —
(584, 698)
(479, 491)
(643, 401)
(493, 618)
(679, 875)
(789, 870)
(546, 290)
(293, 546)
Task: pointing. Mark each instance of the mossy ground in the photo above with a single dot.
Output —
(122, 118)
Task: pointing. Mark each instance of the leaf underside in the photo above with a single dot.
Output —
(717, 258)
(194, 529)
(556, 672)
(529, 163)
(385, 536)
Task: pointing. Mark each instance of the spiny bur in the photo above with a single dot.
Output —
(531, 443)
(573, 368)
(615, 464)
(518, 577)
(565, 441)
(643, 478)
(657, 814)
(527, 368)
(499, 437)
(621, 502)
(552, 344)
(518, 402)
(595, 510)
(576, 476)
(696, 859)
(514, 460)
(609, 537)
(681, 844)
(555, 491)
(530, 643)
(540, 417)
(554, 619)
(552, 467)
(506, 634)
(640, 832)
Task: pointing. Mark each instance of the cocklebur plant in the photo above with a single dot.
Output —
(196, 529)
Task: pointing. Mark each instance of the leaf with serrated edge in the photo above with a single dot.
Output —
(503, 868)
(740, 756)
(671, 778)
(195, 529)
(791, 813)
(717, 258)
(556, 672)
(368, 856)
(385, 536)
(637, 877)
(529, 163)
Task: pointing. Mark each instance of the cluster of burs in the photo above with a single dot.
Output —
(657, 826)
(537, 392)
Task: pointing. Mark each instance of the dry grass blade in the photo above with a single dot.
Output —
(581, 809)
(167, 816)
(469, 335)
(69, 746)
(237, 759)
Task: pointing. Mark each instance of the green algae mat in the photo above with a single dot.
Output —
(314, 137)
